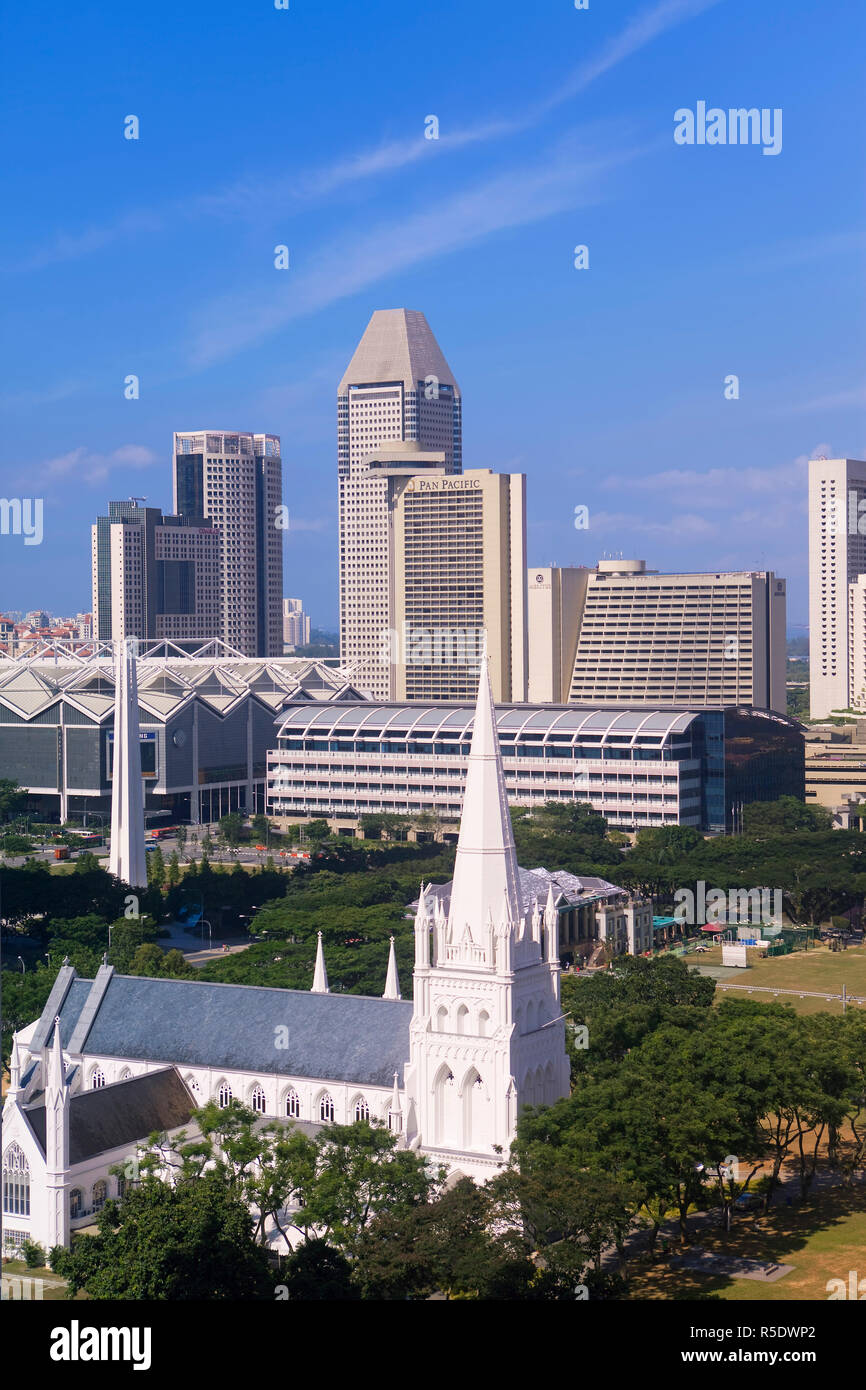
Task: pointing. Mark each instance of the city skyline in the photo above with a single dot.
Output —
(606, 386)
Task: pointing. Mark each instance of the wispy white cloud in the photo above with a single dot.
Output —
(246, 196)
(724, 486)
(84, 465)
(351, 264)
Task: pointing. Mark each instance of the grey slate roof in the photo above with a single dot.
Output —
(335, 1037)
(121, 1114)
(67, 998)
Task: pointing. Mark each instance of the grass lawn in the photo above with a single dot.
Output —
(823, 1240)
(819, 969)
(53, 1287)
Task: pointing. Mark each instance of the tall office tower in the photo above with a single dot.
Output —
(154, 576)
(459, 561)
(296, 624)
(555, 600)
(397, 388)
(837, 557)
(681, 640)
(235, 481)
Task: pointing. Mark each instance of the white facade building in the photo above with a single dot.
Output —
(296, 624)
(113, 1059)
(680, 640)
(837, 558)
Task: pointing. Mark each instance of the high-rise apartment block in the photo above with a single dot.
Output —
(296, 624)
(154, 576)
(837, 560)
(234, 481)
(672, 640)
(397, 388)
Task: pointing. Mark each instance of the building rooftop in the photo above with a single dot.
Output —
(334, 1037)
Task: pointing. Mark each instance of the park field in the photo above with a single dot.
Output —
(823, 1240)
(820, 970)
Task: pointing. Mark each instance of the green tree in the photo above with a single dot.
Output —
(784, 816)
(316, 1272)
(317, 831)
(13, 798)
(155, 868)
(190, 1241)
(231, 826)
(173, 869)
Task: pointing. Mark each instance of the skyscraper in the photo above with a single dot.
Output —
(154, 576)
(397, 388)
(235, 482)
(837, 557)
(459, 548)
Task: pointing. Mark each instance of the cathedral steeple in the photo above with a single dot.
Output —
(392, 982)
(486, 880)
(320, 975)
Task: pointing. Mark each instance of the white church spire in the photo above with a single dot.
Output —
(485, 870)
(127, 858)
(15, 1065)
(392, 982)
(320, 977)
(56, 1143)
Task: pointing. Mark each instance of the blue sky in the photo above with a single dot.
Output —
(305, 127)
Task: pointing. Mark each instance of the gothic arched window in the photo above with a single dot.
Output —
(462, 1015)
(224, 1095)
(362, 1110)
(326, 1110)
(75, 1202)
(257, 1100)
(293, 1105)
(126, 1074)
(483, 1023)
(442, 1019)
(16, 1182)
(100, 1193)
(97, 1078)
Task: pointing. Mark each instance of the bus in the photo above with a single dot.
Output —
(162, 832)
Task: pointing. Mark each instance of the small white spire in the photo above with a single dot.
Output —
(15, 1066)
(550, 906)
(392, 983)
(56, 1073)
(422, 913)
(396, 1109)
(320, 977)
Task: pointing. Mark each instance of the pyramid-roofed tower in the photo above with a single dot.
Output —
(486, 882)
(397, 345)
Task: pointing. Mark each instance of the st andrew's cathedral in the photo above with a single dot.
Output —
(113, 1059)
